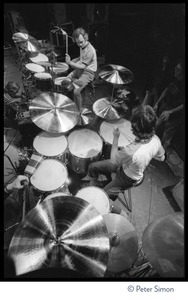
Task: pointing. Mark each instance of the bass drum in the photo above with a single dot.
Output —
(85, 146)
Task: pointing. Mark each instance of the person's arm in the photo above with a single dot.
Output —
(166, 114)
(74, 65)
(160, 156)
(76, 59)
(162, 96)
(17, 184)
(114, 148)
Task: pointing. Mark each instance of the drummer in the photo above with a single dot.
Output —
(130, 162)
(84, 66)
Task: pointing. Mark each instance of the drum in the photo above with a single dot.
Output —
(97, 197)
(43, 81)
(34, 68)
(51, 145)
(50, 176)
(39, 57)
(59, 69)
(61, 84)
(85, 146)
(106, 132)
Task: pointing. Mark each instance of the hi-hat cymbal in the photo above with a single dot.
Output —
(163, 245)
(63, 232)
(123, 242)
(26, 41)
(53, 112)
(116, 74)
(109, 110)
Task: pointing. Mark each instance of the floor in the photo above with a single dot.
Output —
(149, 199)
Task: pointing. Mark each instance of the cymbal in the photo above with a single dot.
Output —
(60, 67)
(123, 242)
(27, 42)
(44, 63)
(116, 74)
(85, 116)
(53, 112)
(163, 245)
(109, 110)
(63, 232)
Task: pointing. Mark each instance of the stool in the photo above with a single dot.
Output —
(128, 201)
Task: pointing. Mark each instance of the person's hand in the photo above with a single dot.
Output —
(165, 115)
(116, 132)
(19, 182)
(67, 58)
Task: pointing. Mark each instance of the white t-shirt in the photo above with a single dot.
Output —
(136, 156)
(88, 57)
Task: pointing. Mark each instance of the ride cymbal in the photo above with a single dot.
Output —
(123, 242)
(26, 41)
(53, 112)
(63, 232)
(163, 245)
(116, 74)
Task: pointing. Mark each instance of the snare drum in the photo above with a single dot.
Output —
(43, 81)
(97, 197)
(51, 145)
(61, 84)
(34, 68)
(106, 132)
(50, 176)
(85, 146)
(59, 69)
(39, 57)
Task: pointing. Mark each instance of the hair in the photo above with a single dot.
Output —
(143, 121)
(79, 31)
(10, 85)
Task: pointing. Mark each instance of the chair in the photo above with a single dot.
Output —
(127, 201)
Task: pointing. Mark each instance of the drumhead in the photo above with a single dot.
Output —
(34, 68)
(60, 68)
(49, 176)
(59, 80)
(84, 143)
(97, 197)
(43, 75)
(50, 144)
(39, 57)
(126, 136)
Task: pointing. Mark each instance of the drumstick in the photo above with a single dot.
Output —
(66, 43)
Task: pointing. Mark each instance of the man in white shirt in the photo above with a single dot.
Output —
(85, 65)
(130, 162)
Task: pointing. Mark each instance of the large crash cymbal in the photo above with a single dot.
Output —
(109, 110)
(27, 42)
(116, 74)
(63, 232)
(53, 112)
(163, 245)
(123, 242)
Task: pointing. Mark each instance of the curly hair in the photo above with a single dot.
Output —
(143, 121)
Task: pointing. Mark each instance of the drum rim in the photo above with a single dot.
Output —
(53, 189)
(48, 197)
(51, 155)
(84, 129)
(35, 65)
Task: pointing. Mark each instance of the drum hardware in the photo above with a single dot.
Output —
(63, 232)
(53, 112)
(95, 196)
(85, 146)
(123, 242)
(163, 245)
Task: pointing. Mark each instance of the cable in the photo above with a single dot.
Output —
(11, 140)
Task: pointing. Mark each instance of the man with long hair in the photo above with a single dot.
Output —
(130, 162)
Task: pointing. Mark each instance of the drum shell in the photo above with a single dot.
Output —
(43, 84)
(79, 164)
